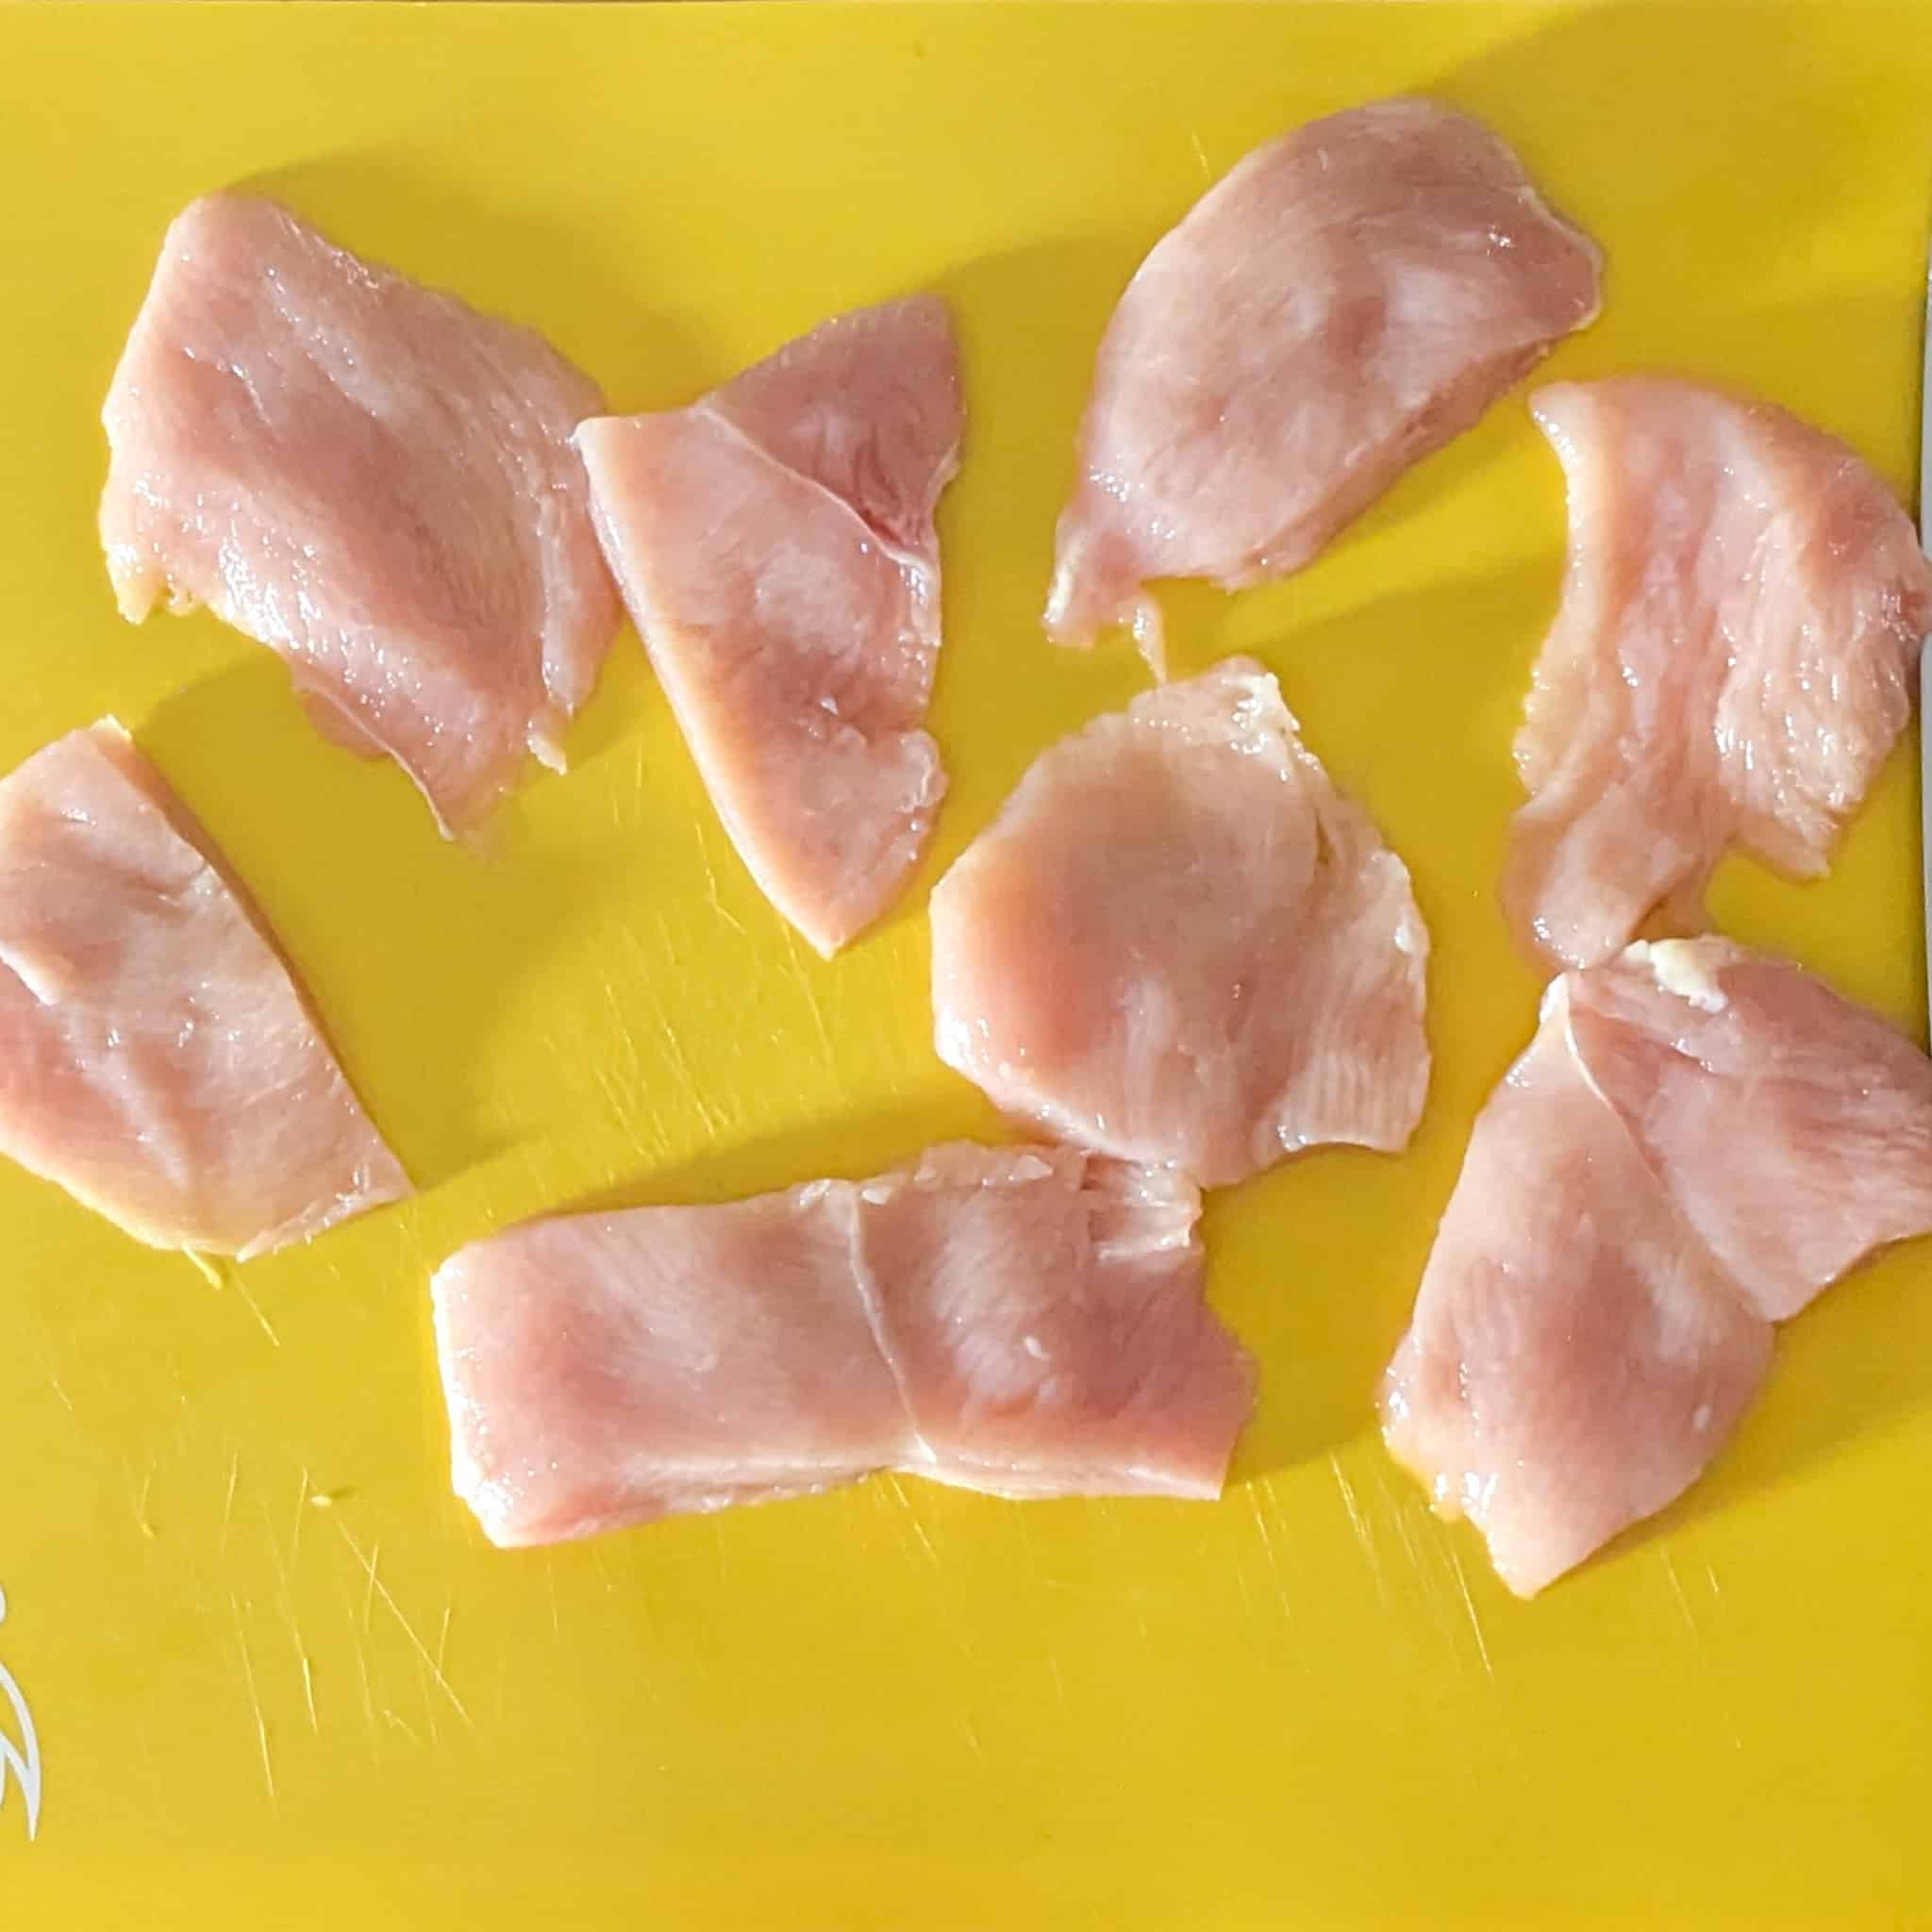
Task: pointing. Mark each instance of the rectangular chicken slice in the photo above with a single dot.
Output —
(374, 480)
(1350, 298)
(1042, 1313)
(1734, 657)
(1028, 1321)
(157, 1058)
(606, 1369)
(774, 543)
(1179, 943)
(1697, 1142)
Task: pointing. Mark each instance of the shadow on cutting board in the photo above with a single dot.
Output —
(536, 268)
(369, 901)
(1852, 1367)
(848, 1149)
(1770, 169)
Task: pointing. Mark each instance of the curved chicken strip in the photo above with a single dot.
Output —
(1351, 297)
(374, 480)
(1734, 657)
(774, 542)
(1698, 1141)
(1179, 943)
(157, 1058)
(1027, 1322)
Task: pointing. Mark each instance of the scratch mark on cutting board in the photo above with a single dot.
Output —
(228, 1500)
(1201, 156)
(1259, 1503)
(396, 1724)
(1060, 1683)
(972, 1737)
(368, 1698)
(286, 1601)
(1683, 1603)
(408, 1629)
(1398, 1515)
(301, 1511)
(442, 1660)
(143, 1522)
(550, 1584)
(646, 976)
(43, 1356)
(219, 1277)
(1698, 1637)
(795, 959)
(604, 1576)
(267, 1767)
(1475, 1622)
(711, 882)
(1364, 1534)
(369, 1563)
(907, 1513)
(267, 1327)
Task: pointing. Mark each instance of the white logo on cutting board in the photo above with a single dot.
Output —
(20, 1761)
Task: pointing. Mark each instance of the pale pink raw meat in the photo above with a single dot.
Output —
(1350, 298)
(371, 478)
(1735, 654)
(1027, 1322)
(1042, 1310)
(1698, 1141)
(605, 1369)
(156, 1058)
(774, 542)
(1179, 943)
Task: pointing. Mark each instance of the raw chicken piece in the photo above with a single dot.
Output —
(157, 1058)
(1734, 657)
(606, 1369)
(1577, 1356)
(1793, 1129)
(374, 480)
(1043, 1312)
(1179, 943)
(1350, 298)
(1698, 1141)
(1027, 1322)
(774, 542)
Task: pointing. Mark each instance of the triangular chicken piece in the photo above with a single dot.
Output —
(1698, 1141)
(156, 1058)
(774, 542)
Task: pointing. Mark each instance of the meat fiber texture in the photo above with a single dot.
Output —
(1179, 943)
(374, 480)
(1027, 1322)
(1699, 1140)
(1347, 300)
(157, 1058)
(774, 543)
(1734, 657)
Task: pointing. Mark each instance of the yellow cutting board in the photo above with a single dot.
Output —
(277, 1679)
